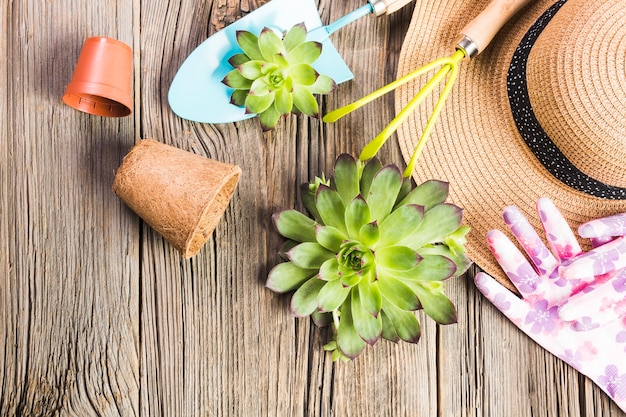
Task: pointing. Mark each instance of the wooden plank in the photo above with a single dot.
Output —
(100, 316)
(70, 297)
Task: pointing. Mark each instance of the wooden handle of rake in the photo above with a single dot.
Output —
(478, 33)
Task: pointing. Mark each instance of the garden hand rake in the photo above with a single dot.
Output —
(475, 37)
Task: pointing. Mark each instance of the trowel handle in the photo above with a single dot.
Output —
(478, 33)
(381, 7)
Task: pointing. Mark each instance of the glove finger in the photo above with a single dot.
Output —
(543, 260)
(604, 227)
(599, 241)
(598, 305)
(503, 299)
(538, 319)
(560, 236)
(513, 263)
(601, 260)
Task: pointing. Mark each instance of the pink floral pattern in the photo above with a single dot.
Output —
(614, 382)
(580, 318)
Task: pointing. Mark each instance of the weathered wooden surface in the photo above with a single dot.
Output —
(101, 317)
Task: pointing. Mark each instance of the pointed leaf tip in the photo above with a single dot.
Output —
(304, 300)
(346, 178)
(286, 277)
(249, 43)
(270, 44)
(309, 255)
(294, 225)
(305, 53)
(383, 191)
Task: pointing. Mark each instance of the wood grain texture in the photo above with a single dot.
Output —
(100, 316)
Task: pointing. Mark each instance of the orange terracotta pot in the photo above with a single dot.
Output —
(179, 194)
(101, 84)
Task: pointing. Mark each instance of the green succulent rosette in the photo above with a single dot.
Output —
(373, 251)
(274, 76)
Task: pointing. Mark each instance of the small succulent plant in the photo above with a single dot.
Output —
(274, 76)
(375, 250)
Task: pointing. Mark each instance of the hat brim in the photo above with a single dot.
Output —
(475, 145)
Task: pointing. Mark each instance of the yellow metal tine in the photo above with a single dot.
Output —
(337, 114)
(374, 146)
(449, 64)
(431, 120)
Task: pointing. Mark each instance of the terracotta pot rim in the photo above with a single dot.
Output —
(101, 83)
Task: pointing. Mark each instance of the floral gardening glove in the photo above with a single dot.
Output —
(607, 261)
(596, 350)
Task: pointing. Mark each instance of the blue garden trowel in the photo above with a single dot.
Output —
(197, 92)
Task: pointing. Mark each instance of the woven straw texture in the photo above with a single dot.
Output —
(577, 86)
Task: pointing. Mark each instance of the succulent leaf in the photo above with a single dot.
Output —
(456, 240)
(295, 226)
(323, 85)
(270, 44)
(303, 74)
(286, 277)
(321, 319)
(309, 255)
(346, 178)
(398, 293)
(330, 207)
(427, 194)
(397, 258)
(367, 325)
(305, 53)
(430, 268)
(249, 43)
(284, 101)
(238, 59)
(404, 191)
(357, 214)
(329, 271)
(304, 100)
(460, 259)
(438, 223)
(258, 104)
(269, 117)
(369, 234)
(280, 61)
(350, 280)
(304, 300)
(295, 36)
(370, 297)
(381, 196)
(238, 97)
(404, 323)
(235, 80)
(251, 70)
(367, 176)
(348, 340)
(259, 87)
(307, 195)
(389, 331)
(332, 295)
(436, 305)
(286, 247)
(330, 238)
(401, 223)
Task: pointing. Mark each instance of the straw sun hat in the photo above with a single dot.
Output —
(540, 113)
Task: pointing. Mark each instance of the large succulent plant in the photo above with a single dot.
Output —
(375, 250)
(274, 76)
